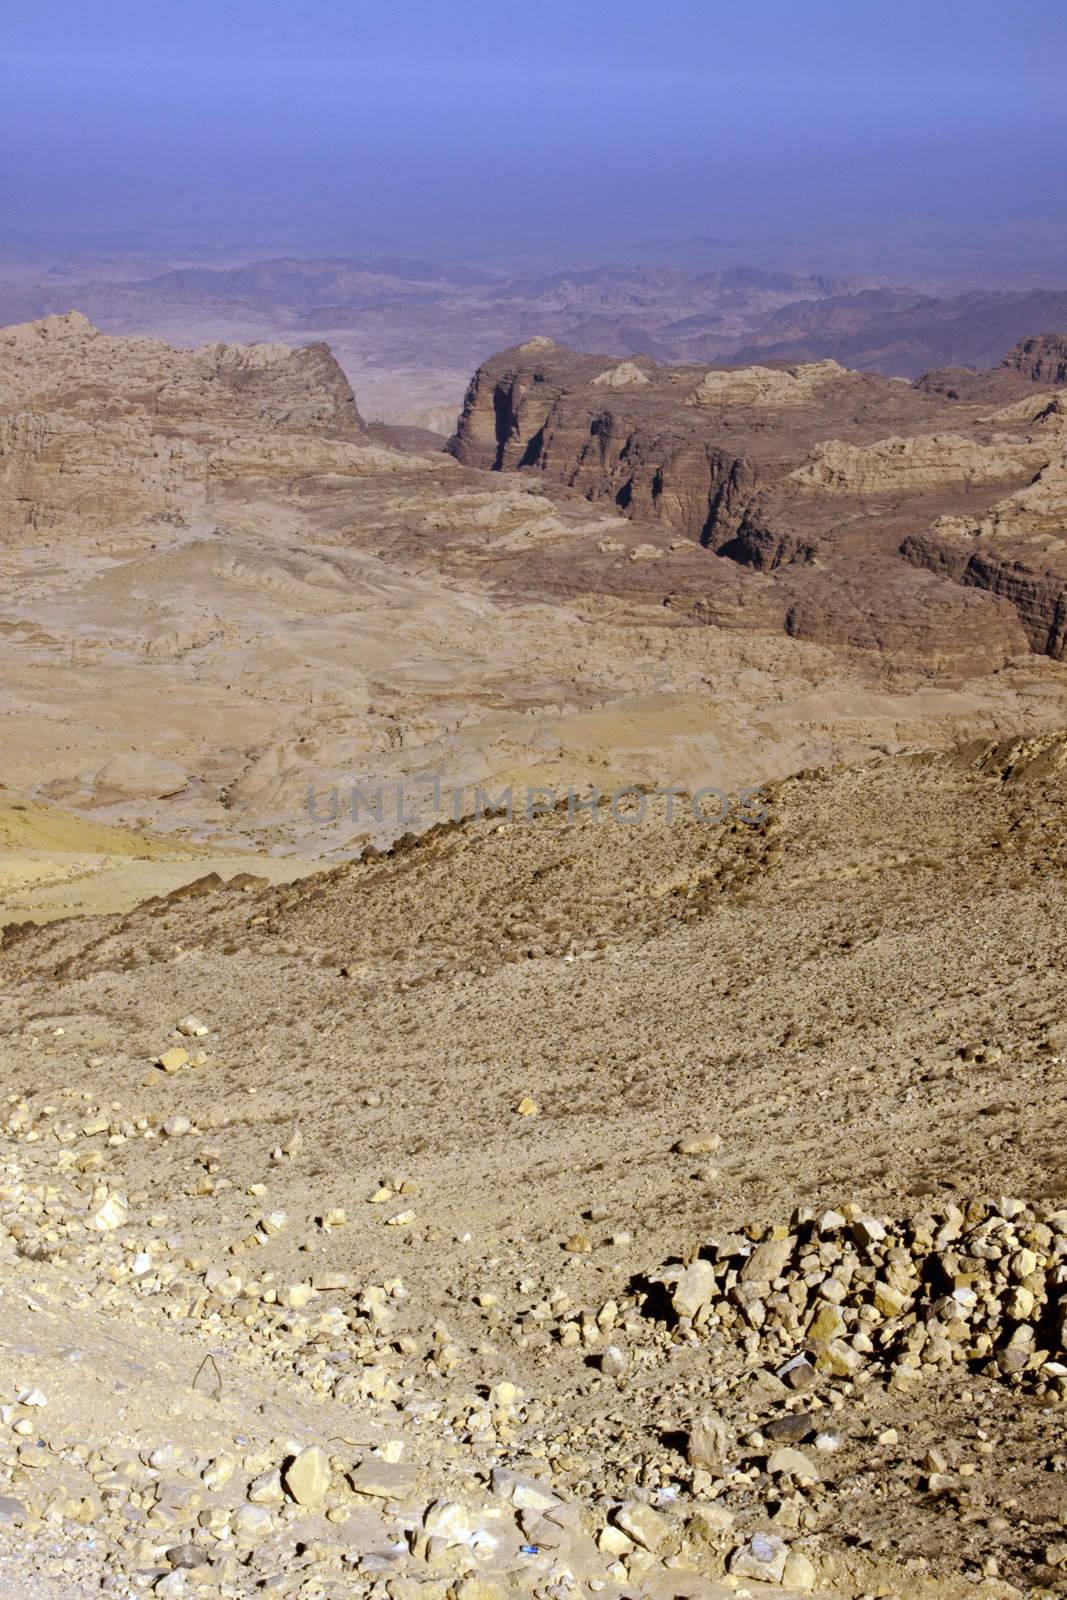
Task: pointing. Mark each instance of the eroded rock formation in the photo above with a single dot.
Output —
(100, 428)
(832, 482)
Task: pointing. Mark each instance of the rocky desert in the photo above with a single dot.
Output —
(533, 826)
(532, 1019)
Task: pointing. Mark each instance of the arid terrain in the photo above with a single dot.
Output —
(533, 1024)
(848, 490)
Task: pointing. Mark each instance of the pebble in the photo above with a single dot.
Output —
(699, 1144)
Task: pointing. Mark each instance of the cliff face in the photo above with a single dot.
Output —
(1016, 550)
(1042, 360)
(650, 465)
(103, 429)
(64, 363)
(833, 482)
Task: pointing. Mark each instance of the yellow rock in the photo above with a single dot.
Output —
(308, 1476)
(109, 1212)
(173, 1060)
(889, 1301)
(827, 1324)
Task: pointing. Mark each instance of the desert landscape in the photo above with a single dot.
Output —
(533, 830)
(354, 888)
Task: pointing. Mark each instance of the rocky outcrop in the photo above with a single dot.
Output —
(63, 362)
(765, 386)
(1038, 595)
(624, 376)
(104, 430)
(925, 462)
(1018, 551)
(1042, 360)
(516, 417)
(812, 475)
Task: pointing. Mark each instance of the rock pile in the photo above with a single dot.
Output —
(853, 1295)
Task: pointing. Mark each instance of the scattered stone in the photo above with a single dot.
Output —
(308, 1476)
(694, 1289)
(786, 1459)
(12, 1511)
(109, 1211)
(764, 1557)
(699, 1144)
(266, 1489)
(187, 1555)
(528, 1494)
(379, 1479)
(799, 1572)
(706, 1445)
(767, 1261)
(644, 1525)
(613, 1362)
(792, 1428)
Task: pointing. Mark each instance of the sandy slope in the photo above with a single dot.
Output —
(55, 864)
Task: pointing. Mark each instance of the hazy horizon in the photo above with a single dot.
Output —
(902, 141)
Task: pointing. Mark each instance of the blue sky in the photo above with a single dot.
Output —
(466, 127)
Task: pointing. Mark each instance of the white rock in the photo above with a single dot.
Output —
(763, 1557)
(528, 1494)
(109, 1212)
(695, 1288)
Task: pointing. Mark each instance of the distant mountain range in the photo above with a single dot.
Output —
(410, 331)
(893, 331)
